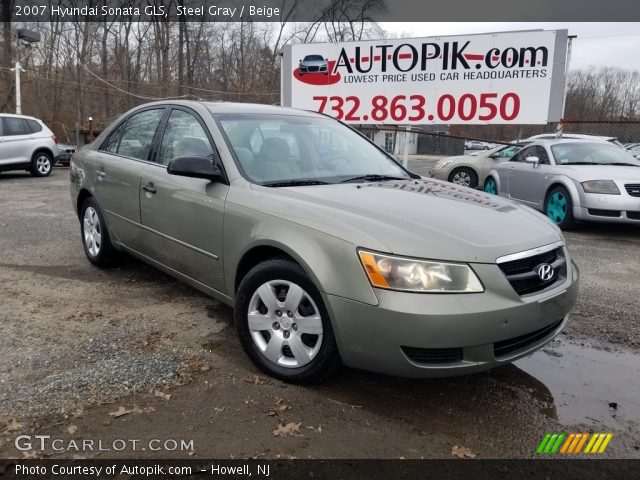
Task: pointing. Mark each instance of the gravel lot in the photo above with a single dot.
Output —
(79, 343)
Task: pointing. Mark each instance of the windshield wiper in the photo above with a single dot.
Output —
(373, 178)
(295, 183)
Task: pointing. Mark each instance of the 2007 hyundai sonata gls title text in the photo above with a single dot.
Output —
(328, 250)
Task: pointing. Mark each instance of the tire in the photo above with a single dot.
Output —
(490, 186)
(464, 176)
(295, 345)
(41, 164)
(558, 206)
(95, 235)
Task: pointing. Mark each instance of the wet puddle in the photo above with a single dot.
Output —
(587, 384)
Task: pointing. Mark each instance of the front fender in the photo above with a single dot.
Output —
(331, 263)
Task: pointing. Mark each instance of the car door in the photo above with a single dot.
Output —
(182, 216)
(117, 166)
(15, 138)
(526, 180)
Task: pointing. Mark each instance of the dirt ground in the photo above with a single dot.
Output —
(129, 353)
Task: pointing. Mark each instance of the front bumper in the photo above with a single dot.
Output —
(477, 326)
(621, 208)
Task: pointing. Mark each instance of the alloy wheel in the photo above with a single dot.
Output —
(557, 207)
(43, 164)
(285, 323)
(462, 178)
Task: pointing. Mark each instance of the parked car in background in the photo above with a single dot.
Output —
(313, 64)
(65, 151)
(26, 144)
(572, 180)
(634, 149)
(471, 170)
(327, 248)
(476, 145)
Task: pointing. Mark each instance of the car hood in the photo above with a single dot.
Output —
(583, 173)
(313, 63)
(420, 218)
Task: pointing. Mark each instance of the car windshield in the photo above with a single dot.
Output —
(591, 153)
(285, 149)
(313, 58)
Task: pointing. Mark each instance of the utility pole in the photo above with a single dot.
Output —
(30, 37)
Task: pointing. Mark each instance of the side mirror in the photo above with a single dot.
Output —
(195, 167)
(533, 160)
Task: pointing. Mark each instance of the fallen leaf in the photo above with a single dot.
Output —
(123, 411)
(13, 426)
(72, 429)
(462, 452)
(160, 393)
(107, 422)
(290, 428)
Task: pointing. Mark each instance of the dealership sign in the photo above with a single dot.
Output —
(514, 77)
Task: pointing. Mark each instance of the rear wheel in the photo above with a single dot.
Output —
(490, 186)
(95, 236)
(559, 208)
(464, 176)
(41, 164)
(283, 324)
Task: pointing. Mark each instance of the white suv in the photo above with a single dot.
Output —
(26, 144)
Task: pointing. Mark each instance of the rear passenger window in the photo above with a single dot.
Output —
(15, 126)
(111, 144)
(138, 134)
(34, 126)
(133, 138)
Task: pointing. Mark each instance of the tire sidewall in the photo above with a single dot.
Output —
(34, 167)
(105, 254)
(324, 362)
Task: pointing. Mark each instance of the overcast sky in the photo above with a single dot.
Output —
(598, 44)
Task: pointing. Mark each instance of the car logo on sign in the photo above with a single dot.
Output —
(545, 272)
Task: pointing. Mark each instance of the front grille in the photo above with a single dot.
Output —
(514, 345)
(313, 69)
(604, 213)
(433, 355)
(633, 189)
(522, 274)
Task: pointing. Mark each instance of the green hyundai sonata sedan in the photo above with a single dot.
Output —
(328, 250)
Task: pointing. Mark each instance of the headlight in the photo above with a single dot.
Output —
(442, 163)
(408, 274)
(605, 187)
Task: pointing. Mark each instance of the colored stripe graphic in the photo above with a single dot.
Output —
(573, 443)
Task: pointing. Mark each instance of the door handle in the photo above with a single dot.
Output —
(149, 188)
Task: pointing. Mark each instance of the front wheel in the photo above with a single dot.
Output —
(559, 208)
(283, 324)
(490, 186)
(464, 176)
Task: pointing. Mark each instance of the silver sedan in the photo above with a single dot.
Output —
(572, 180)
(471, 170)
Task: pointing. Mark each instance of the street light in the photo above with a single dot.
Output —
(29, 37)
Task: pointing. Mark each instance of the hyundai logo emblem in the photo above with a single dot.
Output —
(545, 272)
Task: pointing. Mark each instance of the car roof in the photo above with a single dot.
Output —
(15, 115)
(574, 136)
(555, 141)
(232, 107)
